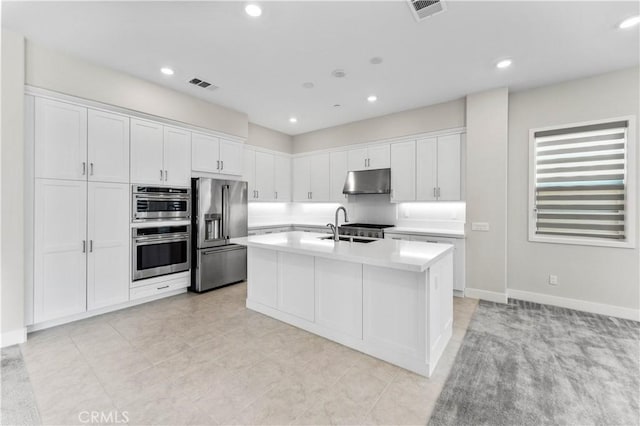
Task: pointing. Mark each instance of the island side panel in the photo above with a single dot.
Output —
(440, 308)
(296, 286)
(262, 276)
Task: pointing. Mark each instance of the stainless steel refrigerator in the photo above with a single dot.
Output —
(219, 213)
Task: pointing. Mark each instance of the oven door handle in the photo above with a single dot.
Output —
(163, 196)
(152, 240)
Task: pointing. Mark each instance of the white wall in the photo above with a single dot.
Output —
(442, 116)
(270, 139)
(54, 70)
(599, 275)
(12, 223)
(486, 180)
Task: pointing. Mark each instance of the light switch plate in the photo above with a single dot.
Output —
(480, 226)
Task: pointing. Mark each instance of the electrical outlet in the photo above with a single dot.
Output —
(553, 280)
(480, 226)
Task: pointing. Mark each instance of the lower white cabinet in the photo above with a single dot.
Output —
(296, 285)
(108, 244)
(81, 247)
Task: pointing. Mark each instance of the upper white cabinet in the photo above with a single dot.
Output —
(264, 177)
(215, 155)
(249, 172)
(438, 168)
(403, 171)
(372, 157)
(282, 178)
(268, 176)
(60, 140)
(160, 155)
(311, 178)
(338, 174)
(108, 147)
(177, 157)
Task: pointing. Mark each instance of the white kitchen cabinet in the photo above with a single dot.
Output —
(372, 157)
(60, 245)
(296, 285)
(177, 157)
(108, 244)
(319, 177)
(147, 165)
(262, 273)
(60, 140)
(282, 178)
(264, 177)
(403, 171)
(338, 163)
(108, 147)
(249, 172)
(301, 179)
(438, 168)
(210, 154)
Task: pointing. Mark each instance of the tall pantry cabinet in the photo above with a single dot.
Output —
(81, 208)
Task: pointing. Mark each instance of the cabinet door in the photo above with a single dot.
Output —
(108, 145)
(449, 167)
(338, 164)
(282, 178)
(426, 169)
(265, 167)
(262, 276)
(60, 140)
(296, 288)
(403, 171)
(177, 157)
(301, 179)
(205, 153)
(60, 260)
(231, 156)
(319, 177)
(379, 157)
(146, 152)
(357, 159)
(249, 173)
(108, 248)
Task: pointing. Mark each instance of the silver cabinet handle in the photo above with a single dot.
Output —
(438, 192)
(91, 169)
(166, 175)
(365, 162)
(222, 165)
(84, 246)
(84, 168)
(311, 195)
(434, 193)
(218, 165)
(160, 288)
(276, 195)
(161, 175)
(90, 246)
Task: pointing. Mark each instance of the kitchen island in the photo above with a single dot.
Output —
(387, 298)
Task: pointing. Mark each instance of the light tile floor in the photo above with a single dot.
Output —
(206, 359)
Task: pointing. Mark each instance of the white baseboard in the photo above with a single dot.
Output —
(578, 305)
(491, 296)
(14, 337)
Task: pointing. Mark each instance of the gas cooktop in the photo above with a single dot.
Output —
(370, 230)
(366, 225)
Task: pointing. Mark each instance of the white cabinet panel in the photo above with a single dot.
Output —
(378, 157)
(60, 140)
(339, 296)
(59, 248)
(296, 285)
(146, 152)
(319, 177)
(262, 273)
(338, 162)
(449, 167)
(282, 178)
(108, 248)
(205, 153)
(249, 173)
(403, 171)
(231, 156)
(301, 179)
(177, 157)
(108, 147)
(427, 171)
(265, 179)
(357, 159)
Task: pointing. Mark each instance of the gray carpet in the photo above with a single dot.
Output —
(18, 405)
(530, 364)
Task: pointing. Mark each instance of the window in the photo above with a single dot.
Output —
(581, 191)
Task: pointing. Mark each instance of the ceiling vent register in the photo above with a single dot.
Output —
(422, 9)
(201, 83)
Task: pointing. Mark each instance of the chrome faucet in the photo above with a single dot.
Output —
(334, 226)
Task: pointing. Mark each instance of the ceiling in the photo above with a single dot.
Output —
(261, 63)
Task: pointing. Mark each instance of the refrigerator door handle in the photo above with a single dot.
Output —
(225, 211)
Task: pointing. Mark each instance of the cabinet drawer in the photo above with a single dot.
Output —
(158, 288)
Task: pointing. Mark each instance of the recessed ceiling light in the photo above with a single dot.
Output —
(337, 105)
(376, 60)
(166, 71)
(505, 63)
(372, 98)
(293, 120)
(630, 22)
(308, 85)
(339, 73)
(253, 10)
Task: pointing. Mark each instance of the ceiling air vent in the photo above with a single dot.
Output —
(423, 9)
(201, 83)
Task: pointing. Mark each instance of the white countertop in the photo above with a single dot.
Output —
(426, 231)
(408, 255)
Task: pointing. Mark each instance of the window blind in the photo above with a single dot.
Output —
(580, 181)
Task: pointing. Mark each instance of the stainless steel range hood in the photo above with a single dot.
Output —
(377, 181)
